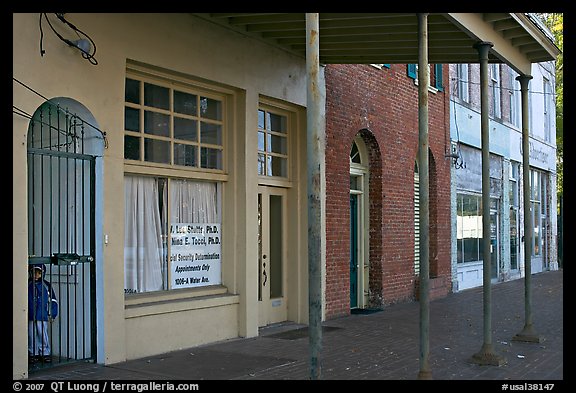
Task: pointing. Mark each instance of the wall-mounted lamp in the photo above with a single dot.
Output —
(456, 156)
(83, 44)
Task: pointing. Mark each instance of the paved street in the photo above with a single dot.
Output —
(382, 345)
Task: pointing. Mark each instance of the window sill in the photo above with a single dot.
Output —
(470, 263)
(274, 181)
(147, 168)
(431, 88)
(178, 300)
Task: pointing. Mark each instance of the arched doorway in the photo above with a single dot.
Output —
(359, 225)
(64, 156)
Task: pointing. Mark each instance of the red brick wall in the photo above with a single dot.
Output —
(382, 105)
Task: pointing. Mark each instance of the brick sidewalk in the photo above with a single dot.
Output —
(378, 346)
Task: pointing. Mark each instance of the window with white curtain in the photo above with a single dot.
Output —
(174, 155)
(172, 233)
(144, 234)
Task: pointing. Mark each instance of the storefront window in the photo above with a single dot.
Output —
(181, 251)
(538, 210)
(513, 200)
(469, 228)
(174, 141)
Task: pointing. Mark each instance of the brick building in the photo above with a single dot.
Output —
(162, 182)
(371, 154)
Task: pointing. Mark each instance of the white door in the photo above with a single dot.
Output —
(272, 216)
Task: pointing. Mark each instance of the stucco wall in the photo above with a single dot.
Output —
(181, 46)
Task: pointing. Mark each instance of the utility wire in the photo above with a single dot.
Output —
(85, 54)
(22, 113)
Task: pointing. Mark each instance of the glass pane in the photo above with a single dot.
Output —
(493, 203)
(156, 96)
(513, 240)
(470, 249)
(513, 193)
(261, 124)
(354, 182)
(459, 243)
(260, 247)
(543, 194)
(185, 129)
(276, 122)
(132, 91)
(131, 119)
(276, 246)
(210, 158)
(277, 144)
(354, 154)
(131, 147)
(210, 133)
(493, 245)
(185, 103)
(210, 109)
(156, 123)
(262, 164)
(277, 166)
(535, 185)
(260, 141)
(156, 151)
(536, 224)
(185, 154)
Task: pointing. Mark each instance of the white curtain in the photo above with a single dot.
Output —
(193, 202)
(143, 249)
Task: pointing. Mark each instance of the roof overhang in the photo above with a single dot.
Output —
(388, 38)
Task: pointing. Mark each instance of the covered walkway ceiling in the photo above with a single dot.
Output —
(386, 38)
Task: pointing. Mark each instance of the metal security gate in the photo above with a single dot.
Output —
(61, 239)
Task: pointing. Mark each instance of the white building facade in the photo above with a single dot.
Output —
(506, 173)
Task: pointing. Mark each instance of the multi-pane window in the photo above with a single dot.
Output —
(272, 144)
(380, 66)
(547, 110)
(514, 209)
(514, 92)
(530, 111)
(469, 228)
(538, 210)
(172, 225)
(436, 77)
(495, 79)
(172, 125)
(463, 85)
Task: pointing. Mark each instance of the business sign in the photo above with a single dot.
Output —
(195, 254)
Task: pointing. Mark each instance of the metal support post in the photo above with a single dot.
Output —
(486, 356)
(424, 300)
(315, 153)
(527, 334)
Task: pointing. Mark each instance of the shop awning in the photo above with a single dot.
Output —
(388, 38)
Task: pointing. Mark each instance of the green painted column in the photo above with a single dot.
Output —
(486, 355)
